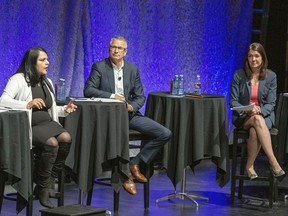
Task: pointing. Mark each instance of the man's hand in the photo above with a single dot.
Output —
(120, 97)
(129, 107)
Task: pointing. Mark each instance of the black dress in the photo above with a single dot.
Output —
(43, 127)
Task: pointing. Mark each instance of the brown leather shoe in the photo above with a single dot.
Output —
(130, 186)
(137, 174)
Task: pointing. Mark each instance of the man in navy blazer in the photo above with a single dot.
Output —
(116, 78)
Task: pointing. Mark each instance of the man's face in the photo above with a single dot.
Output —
(117, 50)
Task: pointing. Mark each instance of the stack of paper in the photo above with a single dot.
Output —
(244, 108)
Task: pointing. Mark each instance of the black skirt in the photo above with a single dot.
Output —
(42, 132)
(43, 127)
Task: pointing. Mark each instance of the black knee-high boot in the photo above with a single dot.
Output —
(59, 164)
(46, 162)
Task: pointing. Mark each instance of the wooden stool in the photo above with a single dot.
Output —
(74, 210)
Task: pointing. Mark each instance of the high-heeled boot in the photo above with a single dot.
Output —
(46, 162)
(58, 166)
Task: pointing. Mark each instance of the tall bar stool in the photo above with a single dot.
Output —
(134, 135)
(240, 135)
(239, 141)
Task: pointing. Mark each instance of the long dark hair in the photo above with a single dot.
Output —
(263, 69)
(28, 66)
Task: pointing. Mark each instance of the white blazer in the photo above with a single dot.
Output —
(17, 94)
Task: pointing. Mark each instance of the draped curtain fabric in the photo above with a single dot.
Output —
(165, 37)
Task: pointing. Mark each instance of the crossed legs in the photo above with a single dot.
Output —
(158, 134)
(259, 136)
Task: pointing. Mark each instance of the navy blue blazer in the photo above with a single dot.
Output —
(101, 83)
(240, 95)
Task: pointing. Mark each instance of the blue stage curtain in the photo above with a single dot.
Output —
(165, 37)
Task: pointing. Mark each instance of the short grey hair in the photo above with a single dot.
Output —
(118, 38)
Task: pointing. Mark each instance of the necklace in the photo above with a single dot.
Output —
(254, 81)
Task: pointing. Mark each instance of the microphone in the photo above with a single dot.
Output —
(119, 78)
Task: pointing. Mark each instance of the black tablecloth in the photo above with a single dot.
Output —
(199, 129)
(100, 137)
(15, 157)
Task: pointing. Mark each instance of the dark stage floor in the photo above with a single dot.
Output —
(202, 183)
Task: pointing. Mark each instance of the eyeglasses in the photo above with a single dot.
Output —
(121, 49)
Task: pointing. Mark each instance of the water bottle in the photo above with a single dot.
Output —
(61, 93)
(197, 85)
(175, 89)
(181, 85)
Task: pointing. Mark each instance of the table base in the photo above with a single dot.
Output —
(182, 195)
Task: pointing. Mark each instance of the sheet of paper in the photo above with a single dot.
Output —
(244, 108)
(99, 100)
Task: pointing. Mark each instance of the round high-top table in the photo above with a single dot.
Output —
(15, 157)
(100, 140)
(199, 129)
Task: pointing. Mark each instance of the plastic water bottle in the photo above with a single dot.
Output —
(175, 89)
(181, 85)
(197, 85)
(61, 93)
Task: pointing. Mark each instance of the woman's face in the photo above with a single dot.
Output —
(254, 59)
(42, 63)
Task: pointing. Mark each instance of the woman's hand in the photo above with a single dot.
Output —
(71, 107)
(36, 103)
(256, 111)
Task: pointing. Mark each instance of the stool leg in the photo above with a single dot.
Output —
(146, 194)
(89, 196)
(61, 187)
(29, 207)
(146, 188)
(242, 169)
(234, 167)
(273, 189)
(2, 187)
(116, 201)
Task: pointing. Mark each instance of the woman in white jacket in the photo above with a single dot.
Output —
(30, 88)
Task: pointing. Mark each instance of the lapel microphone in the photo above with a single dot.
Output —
(119, 78)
